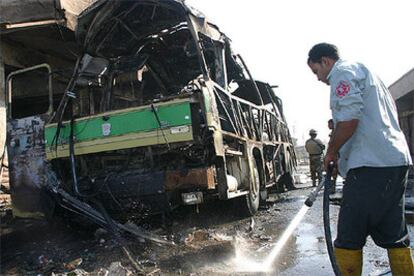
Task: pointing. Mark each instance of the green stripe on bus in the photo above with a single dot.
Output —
(121, 123)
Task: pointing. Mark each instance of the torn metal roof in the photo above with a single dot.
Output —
(112, 28)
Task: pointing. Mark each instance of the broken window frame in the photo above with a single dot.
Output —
(9, 87)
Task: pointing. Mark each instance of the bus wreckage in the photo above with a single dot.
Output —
(159, 112)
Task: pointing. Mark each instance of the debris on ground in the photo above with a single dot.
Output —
(116, 268)
(73, 264)
(76, 272)
(203, 246)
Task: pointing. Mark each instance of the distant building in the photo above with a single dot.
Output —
(403, 93)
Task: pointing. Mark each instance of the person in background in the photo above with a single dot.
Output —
(331, 127)
(315, 148)
(370, 150)
(335, 171)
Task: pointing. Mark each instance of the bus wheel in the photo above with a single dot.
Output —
(249, 204)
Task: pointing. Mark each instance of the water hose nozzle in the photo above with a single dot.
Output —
(312, 196)
(311, 199)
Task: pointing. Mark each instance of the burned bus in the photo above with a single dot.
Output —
(159, 111)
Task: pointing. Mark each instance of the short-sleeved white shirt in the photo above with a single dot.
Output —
(378, 140)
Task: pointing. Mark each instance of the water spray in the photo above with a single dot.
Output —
(244, 264)
(295, 222)
(285, 237)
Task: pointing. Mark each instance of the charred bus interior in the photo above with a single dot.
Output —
(158, 112)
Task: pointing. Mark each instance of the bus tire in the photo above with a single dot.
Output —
(248, 204)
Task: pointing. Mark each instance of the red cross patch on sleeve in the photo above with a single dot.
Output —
(342, 89)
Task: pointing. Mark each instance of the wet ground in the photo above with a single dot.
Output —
(212, 241)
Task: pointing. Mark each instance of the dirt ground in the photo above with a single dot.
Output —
(207, 242)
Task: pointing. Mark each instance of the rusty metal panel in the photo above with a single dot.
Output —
(202, 178)
(27, 165)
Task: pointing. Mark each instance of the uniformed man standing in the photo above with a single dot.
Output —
(315, 148)
(374, 158)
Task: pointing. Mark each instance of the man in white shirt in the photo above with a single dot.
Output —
(374, 158)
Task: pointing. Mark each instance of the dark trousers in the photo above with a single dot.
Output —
(373, 204)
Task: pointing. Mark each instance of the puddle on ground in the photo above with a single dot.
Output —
(309, 240)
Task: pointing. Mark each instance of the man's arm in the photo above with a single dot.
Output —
(342, 133)
(320, 144)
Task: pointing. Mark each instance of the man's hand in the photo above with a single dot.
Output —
(330, 157)
(342, 133)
